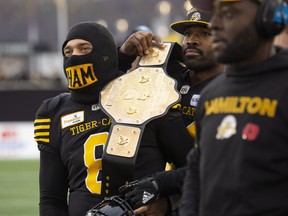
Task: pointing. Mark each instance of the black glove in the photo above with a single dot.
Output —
(140, 192)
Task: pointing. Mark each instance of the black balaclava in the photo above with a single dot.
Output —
(88, 74)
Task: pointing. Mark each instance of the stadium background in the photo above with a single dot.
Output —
(31, 70)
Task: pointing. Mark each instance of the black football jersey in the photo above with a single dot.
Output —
(190, 95)
(71, 138)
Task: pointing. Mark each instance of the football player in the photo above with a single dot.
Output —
(71, 130)
(201, 68)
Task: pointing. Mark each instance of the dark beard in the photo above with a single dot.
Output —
(204, 63)
(201, 66)
(244, 46)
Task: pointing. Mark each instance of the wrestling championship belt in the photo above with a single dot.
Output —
(131, 101)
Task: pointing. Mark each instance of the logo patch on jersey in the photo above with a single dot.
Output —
(184, 89)
(227, 128)
(250, 132)
(194, 100)
(72, 119)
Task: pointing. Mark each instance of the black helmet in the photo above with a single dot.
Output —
(111, 206)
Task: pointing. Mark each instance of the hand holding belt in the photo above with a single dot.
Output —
(133, 100)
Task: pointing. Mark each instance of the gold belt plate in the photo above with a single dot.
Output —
(137, 96)
(156, 57)
(123, 140)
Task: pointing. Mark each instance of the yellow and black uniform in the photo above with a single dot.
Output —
(71, 138)
(190, 94)
(71, 131)
(241, 123)
(172, 182)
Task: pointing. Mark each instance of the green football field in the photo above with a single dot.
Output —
(19, 188)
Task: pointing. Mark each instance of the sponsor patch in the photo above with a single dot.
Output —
(72, 119)
(194, 100)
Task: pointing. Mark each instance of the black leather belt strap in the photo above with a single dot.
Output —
(131, 101)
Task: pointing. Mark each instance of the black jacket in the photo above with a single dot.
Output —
(242, 126)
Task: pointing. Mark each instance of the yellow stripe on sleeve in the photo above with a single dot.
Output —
(42, 140)
(42, 120)
(39, 127)
(41, 134)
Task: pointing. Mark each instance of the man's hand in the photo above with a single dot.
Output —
(140, 43)
(140, 193)
(158, 208)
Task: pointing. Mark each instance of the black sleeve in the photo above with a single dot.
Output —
(53, 191)
(174, 138)
(176, 142)
(171, 182)
(124, 61)
(191, 188)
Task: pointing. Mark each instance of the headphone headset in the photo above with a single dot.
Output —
(272, 17)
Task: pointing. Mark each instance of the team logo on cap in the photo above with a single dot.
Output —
(195, 16)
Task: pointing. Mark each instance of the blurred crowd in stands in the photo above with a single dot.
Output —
(30, 56)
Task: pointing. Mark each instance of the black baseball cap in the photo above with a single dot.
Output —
(193, 17)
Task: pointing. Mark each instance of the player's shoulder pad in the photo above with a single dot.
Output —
(43, 121)
(51, 105)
